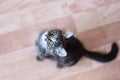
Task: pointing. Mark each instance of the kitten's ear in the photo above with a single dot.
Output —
(68, 34)
(61, 52)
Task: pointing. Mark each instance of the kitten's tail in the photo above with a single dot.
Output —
(104, 57)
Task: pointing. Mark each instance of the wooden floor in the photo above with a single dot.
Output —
(95, 22)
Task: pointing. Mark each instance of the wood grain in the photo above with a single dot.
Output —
(95, 22)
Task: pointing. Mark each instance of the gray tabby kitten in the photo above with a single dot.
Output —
(66, 50)
(51, 44)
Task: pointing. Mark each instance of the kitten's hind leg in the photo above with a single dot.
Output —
(59, 65)
(65, 64)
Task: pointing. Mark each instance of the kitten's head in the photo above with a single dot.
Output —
(56, 40)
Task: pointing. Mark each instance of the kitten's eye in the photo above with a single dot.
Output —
(55, 42)
(57, 38)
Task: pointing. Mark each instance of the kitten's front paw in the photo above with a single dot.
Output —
(39, 58)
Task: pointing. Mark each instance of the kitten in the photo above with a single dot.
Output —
(66, 50)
